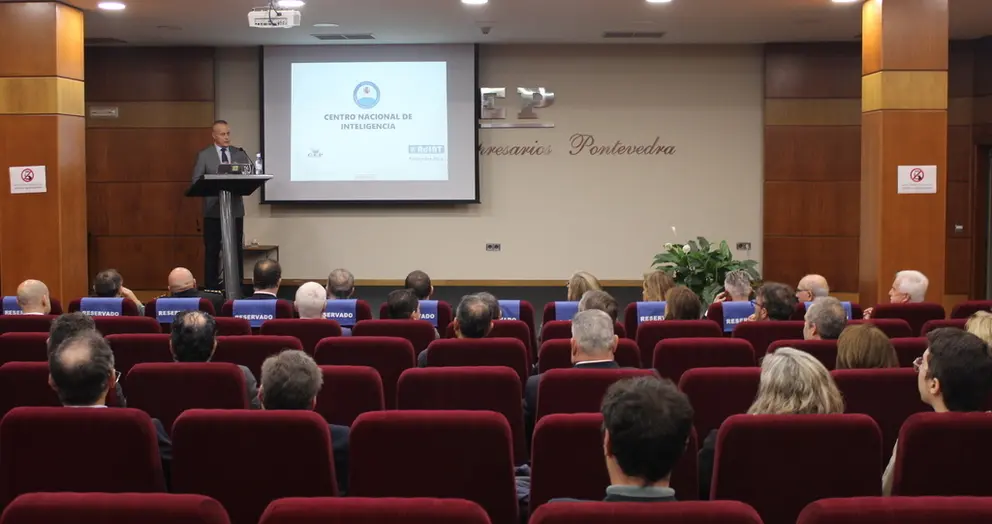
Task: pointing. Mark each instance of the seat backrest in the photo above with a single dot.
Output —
(892, 327)
(101, 307)
(165, 390)
(82, 450)
(492, 388)
(462, 352)
(637, 313)
(970, 307)
(719, 393)
(11, 307)
(898, 510)
(348, 392)
(252, 351)
(126, 325)
(762, 333)
(390, 356)
(824, 350)
(559, 310)
(889, 396)
(907, 349)
(230, 326)
(310, 331)
(437, 312)
(931, 325)
(810, 457)
(373, 511)
(674, 356)
(244, 459)
(114, 508)
(650, 333)
(25, 384)
(518, 310)
(23, 347)
(256, 312)
(505, 329)
(557, 329)
(434, 459)
(723, 512)
(165, 309)
(420, 333)
(578, 390)
(25, 323)
(348, 311)
(132, 349)
(944, 454)
(916, 314)
(557, 354)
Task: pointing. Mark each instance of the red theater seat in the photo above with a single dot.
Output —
(944, 454)
(348, 392)
(490, 388)
(461, 352)
(931, 325)
(557, 354)
(898, 510)
(762, 333)
(353, 510)
(25, 323)
(824, 350)
(446, 454)
(230, 327)
(56, 309)
(505, 329)
(578, 390)
(652, 332)
(284, 309)
(308, 330)
(126, 325)
(128, 308)
(892, 327)
(527, 316)
(389, 356)
(761, 458)
(25, 384)
(114, 508)
(81, 450)
(916, 314)
(964, 309)
(908, 349)
(675, 356)
(723, 512)
(246, 459)
(23, 347)
(557, 329)
(252, 351)
(420, 333)
(718, 393)
(130, 350)
(165, 390)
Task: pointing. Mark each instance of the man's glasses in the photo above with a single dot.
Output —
(117, 377)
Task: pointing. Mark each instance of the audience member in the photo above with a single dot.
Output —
(266, 280)
(311, 299)
(69, 325)
(792, 382)
(774, 301)
(908, 287)
(682, 303)
(81, 371)
(473, 319)
(33, 298)
(954, 375)
(402, 304)
(420, 283)
(825, 319)
(980, 325)
(340, 284)
(593, 345)
(864, 346)
(291, 381)
(194, 339)
(493, 303)
(183, 285)
(812, 287)
(736, 287)
(599, 300)
(656, 285)
(646, 425)
(579, 283)
(110, 284)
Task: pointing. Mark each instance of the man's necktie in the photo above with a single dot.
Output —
(223, 156)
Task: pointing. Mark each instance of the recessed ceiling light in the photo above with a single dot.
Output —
(659, 1)
(475, 2)
(290, 4)
(111, 6)
(845, 1)
(325, 24)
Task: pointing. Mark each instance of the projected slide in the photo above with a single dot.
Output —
(369, 122)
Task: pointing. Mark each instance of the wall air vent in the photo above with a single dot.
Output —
(345, 37)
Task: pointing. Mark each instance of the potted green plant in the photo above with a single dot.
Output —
(701, 266)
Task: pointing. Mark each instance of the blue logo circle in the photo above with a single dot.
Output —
(366, 95)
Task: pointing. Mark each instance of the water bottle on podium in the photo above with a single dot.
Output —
(258, 164)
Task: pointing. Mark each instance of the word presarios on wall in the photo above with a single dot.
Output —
(580, 144)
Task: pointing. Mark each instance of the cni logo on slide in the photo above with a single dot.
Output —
(366, 95)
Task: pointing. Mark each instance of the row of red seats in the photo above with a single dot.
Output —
(777, 464)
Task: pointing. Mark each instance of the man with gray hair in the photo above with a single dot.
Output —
(825, 319)
(33, 298)
(494, 310)
(596, 299)
(291, 381)
(473, 319)
(736, 287)
(593, 344)
(812, 287)
(340, 284)
(909, 286)
(311, 299)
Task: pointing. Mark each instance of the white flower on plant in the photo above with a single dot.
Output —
(686, 249)
(668, 245)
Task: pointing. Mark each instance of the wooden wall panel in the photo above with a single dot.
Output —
(31, 27)
(959, 267)
(836, 258)
(143, 155)
(821, 209)
(142, 209)
(145, 261)
(149, 74)
(814, 70)
(812, 153)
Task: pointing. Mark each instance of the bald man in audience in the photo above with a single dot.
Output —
(311, 300)
(33, 298)
(183, 285)
(908, 287)
(812, 287)
(493, 303)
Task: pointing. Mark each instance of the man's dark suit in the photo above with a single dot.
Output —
(216, 299)
(340, 447)
(261, 296)
(530, 393)
(208, 162)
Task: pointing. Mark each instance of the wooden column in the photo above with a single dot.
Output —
(904, 122)
(43, 235)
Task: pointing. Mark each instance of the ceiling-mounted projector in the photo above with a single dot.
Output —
(269, 17)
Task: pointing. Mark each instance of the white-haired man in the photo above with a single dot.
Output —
(909, 286)
(33, 298)
(812, 287)
(311, 299)
(736, 287)
(340, 284)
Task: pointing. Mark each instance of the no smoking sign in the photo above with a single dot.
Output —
(28, 179)
(917, 180)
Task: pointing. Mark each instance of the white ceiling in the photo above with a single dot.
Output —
(224, 22)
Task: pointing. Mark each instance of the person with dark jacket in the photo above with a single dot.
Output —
(183, 285)
(69, 325)
(194, 339)
(266, 279)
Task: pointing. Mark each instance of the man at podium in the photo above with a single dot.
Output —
(208, 161)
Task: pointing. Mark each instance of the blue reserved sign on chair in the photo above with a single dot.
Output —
(102, 307)
(167, 308)
(344, 311)
(566, 310)
(647, 311)
(734, 313)
(847, 308)
(428, 311)
(254, 311)
(10, 306)
(509, 309)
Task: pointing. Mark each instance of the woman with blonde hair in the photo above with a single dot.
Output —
(865, 347)
(792, 382)
(581, 282)
(980, 325)
(656, 285)
(682, 303)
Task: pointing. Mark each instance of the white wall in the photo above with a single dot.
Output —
(561, 212)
